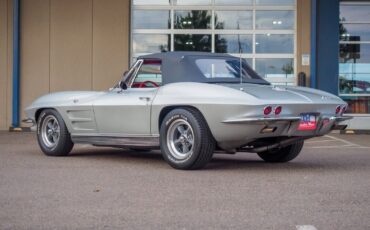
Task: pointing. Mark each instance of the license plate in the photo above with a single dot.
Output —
(308, 122)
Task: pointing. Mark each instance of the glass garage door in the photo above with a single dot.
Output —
(260, 31)
(354, 55)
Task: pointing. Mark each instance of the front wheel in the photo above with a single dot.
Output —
(52, 134)
(282, 155)
(186, 141)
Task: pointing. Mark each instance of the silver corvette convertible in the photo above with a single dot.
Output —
(189, 105)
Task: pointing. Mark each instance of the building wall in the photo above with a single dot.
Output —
(5, 62)
(79, 45)
(303, 35)
(65, 45)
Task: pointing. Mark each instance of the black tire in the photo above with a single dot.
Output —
(282, 155)
(203, 143)
(60, 146)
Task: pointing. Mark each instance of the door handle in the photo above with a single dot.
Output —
(145, 98)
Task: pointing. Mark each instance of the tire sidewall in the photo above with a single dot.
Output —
(56, 149)
(168, 120)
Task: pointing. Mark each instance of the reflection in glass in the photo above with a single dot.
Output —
(356, 12)
(192, 19)
(150, 43)
(192, 42)
(229, 70)
(274, 43)
(275, 2)
(191, 2)
(248, 60)
(232, 43)
(354, 69)
(354, 32)
(269, 67)
(151, 19)
(233, 2)
(234, 20)
(151, 2)
(275, 20)
(357, 104)
(355, 53)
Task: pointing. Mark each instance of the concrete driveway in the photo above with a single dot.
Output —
(326, 187)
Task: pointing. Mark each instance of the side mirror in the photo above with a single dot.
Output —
(122, 85)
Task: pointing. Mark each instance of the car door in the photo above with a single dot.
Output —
(127, 112)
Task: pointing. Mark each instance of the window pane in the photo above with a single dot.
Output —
(192, 19)
(275, 20)
(275, 2)
(354, 69)
(150, 43)
(191, 2)
(354, 32)
(233, 20)
(268, 67)
(151, 19)
(248, 60)
(355, 12)
(151, 2)
(226, 68)
(274, 43)
(233, 2)
(233, 43)
(354, 53)
(149, 76)
(192, 42)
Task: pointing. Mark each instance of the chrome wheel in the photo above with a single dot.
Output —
(50, 131)
(180, 139)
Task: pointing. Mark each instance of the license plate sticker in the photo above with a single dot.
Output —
(308, 122)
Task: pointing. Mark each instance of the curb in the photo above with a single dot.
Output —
(20, 129)
(355, 131)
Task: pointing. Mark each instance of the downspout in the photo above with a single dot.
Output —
(16, 67)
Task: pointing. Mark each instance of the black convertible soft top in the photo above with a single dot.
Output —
(180, 67)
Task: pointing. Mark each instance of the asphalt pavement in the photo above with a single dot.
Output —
(326, 187)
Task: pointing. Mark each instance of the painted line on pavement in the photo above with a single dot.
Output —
(347, 144)
(309, 142)
(306, 227)
(344, 141)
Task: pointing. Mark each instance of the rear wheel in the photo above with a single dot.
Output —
(52, 134)
(282, 155)
(186, 141)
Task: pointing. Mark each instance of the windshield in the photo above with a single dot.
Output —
(227, 70)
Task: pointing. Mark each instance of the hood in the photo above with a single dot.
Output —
(60, 98)
(288, 94)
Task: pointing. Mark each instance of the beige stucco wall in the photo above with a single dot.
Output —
(65, 45)
(303, 34)
(80, 45)
(5, 62)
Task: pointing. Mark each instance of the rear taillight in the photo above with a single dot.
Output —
(278, 110)
(267, 110)
(344, 109)
(338, 109)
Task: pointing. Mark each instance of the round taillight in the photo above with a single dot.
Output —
(267, 110)
(344, 109)
(337, 110)
(278, 110)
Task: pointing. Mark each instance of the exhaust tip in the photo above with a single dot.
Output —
(268, 130)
